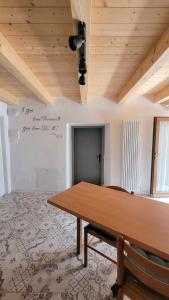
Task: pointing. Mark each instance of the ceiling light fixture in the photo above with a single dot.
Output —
(78, 42)
(75, 42)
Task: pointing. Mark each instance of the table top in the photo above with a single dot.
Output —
(140, 220)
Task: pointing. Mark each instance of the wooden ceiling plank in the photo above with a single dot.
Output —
(19, 69)
(119, 41)
(79, 7)
(37, 30)
(119, 50)
(131, 29)
(34, 3)
(36, 15)
(130, 15)
(162, 95)
(7, 97)
(22, 41)
(130, 3)
(158, 56)
(44, 50)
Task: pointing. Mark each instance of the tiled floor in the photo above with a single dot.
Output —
(37, 254)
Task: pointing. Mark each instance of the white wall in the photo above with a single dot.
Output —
(5, 173)
(38, 156)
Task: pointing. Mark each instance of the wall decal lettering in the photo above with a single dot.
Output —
(43, 124)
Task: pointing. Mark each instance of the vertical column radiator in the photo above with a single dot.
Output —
(131, 154)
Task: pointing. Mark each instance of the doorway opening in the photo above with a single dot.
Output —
(88, 154)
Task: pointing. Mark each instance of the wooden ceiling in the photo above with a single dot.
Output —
(120, 35)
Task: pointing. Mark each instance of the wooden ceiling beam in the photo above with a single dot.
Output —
(81, 11)
(7, 97)
(162, 95)
(156, 58)
(11, 61)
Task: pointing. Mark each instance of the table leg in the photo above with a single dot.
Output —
(79, 235)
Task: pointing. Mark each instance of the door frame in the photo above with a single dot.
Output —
(4, 155)
(156, 137)
(105, 150)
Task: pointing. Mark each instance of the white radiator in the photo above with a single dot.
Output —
(131, 155)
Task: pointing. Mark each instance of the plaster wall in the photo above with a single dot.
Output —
(40, 157)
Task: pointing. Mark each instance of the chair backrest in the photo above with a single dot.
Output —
(152, 274)
(118, 188)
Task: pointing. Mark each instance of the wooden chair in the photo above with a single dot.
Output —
(100, 233)
(140, 274)
(119, 188)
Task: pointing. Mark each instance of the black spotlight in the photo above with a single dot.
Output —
(82, 79)
(75, 42)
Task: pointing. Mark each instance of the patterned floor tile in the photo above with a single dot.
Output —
(37, 254)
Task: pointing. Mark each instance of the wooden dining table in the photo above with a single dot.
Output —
(142, 221)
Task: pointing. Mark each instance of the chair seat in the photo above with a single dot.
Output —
(97, 231)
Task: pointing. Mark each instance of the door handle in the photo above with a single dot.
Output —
(99, 157)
